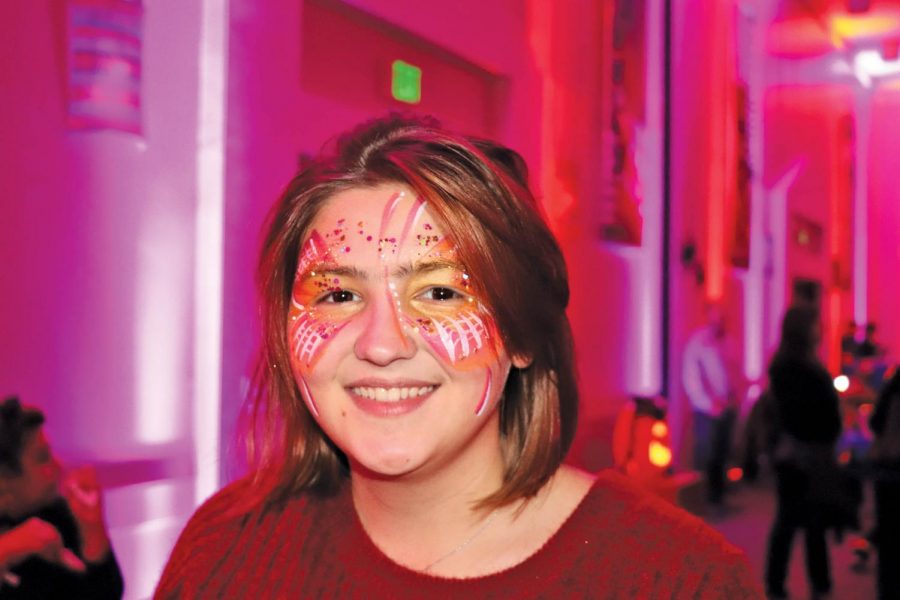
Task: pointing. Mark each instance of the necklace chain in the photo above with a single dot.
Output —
(465, 543)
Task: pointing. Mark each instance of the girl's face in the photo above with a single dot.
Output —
(396, 358)
(38, 483)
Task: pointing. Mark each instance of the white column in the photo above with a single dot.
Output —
(863, 110)
(208, 272)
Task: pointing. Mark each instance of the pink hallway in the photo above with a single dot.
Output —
(128, 307)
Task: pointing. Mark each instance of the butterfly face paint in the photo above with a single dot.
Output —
(377, 270)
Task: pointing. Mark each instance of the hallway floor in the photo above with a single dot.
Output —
(747, 522)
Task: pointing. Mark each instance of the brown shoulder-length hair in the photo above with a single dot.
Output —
(478, 191)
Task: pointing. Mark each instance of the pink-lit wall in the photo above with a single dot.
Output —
(273, 118)
(548, 112)
(96, 242)
(884, 219)
(802, 129)
(100, 231)
(704, 63)
(102, 296)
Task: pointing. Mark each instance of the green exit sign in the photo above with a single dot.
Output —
(406, 82)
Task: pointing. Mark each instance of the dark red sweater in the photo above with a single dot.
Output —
(619, 543)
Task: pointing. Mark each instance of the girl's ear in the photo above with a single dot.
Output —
(521, 361)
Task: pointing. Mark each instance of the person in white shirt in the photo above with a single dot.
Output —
(708, 385)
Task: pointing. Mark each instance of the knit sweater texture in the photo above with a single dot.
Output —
(620, 542)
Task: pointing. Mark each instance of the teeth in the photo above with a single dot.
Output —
(393, 394)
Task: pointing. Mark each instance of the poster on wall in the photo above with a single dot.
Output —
(740, 250)
(104, 65)
(620, 202)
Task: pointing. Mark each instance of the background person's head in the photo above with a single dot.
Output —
(871, 328)
(29, 473)
(799, 333)
(715, 319)
(476, 190)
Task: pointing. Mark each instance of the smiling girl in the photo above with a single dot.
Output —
(416, 398)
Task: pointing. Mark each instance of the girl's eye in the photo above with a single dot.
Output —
(339, 296)
(442, 294)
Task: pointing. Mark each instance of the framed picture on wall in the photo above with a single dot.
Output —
(104, 49)
(842, 255)
(740, 249)
(620, 201)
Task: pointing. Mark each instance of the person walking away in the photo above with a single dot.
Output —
(808, 423)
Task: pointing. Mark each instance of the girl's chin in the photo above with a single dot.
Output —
(385, 465)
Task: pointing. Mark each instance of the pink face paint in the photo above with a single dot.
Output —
(460, 336)
(485, 395)
(309, 332)
(464, 341)
(394, 303)
(389, 207)
(314, 251)
(415, 213)
(307, 396)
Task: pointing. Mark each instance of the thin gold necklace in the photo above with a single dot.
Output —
(465, 543)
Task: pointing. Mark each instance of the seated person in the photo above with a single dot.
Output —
(53, 540)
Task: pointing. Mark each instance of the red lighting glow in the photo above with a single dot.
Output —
(849, 27)
(735, 474)
(659, 454)
(890, 49)
(659, 429)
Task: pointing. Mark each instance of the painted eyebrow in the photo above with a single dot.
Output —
(400, 272)
(422, 268)
(333, 269)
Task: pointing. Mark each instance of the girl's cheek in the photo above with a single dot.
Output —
(464, 340)
(310, 331)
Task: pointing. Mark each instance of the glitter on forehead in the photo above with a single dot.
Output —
(424, 241)
(441, 248)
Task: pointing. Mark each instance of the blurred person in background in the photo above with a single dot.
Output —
(707, 380)
(869, 346)
(53, 539)
(417, 397)
(885, 456)
(872, 359)
(807, 421)
(849, 349)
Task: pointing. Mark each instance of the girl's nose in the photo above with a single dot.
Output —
(384, 337)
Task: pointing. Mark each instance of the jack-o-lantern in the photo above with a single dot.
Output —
(642, 446)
